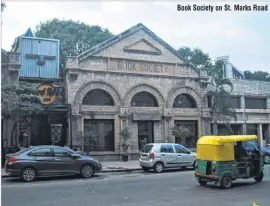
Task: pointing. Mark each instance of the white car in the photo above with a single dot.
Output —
(158, 156)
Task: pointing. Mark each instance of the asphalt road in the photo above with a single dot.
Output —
(137, 189)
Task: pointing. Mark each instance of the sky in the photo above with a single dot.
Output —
(244, 36)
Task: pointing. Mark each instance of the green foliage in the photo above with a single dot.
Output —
(3, 6)
(221, 103)
(216, 70)
(19, 101)
(75, 37)
(257, 75)
(196, 56)
(125, 135)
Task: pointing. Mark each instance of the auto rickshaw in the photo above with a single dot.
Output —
(216, 160)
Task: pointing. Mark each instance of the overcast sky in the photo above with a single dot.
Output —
(242, 35)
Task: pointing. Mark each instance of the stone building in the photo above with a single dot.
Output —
(10, 67)
(137, 80)
(133, 80)
(251, 101)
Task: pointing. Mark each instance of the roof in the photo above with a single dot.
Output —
(220, 140)
(127, 33)
(28, 33)
(15, 44)
(237, 70)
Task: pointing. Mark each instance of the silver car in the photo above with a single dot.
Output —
(158, 156)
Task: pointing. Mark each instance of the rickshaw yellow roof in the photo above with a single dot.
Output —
(220, 140)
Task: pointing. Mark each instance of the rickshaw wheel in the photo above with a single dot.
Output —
(226, 182)
(259, 178)
(202, 182)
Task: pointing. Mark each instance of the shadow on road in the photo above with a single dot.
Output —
(234, 186)
(47, 179)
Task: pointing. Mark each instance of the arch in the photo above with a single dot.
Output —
(98, 97)
(183, 90)
(143, 88)
(143, 99)
(83, 90)
(184, 101)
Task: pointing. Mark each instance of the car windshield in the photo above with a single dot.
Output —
(147, 148)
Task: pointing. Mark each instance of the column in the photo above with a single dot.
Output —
(165, 129)
(268, 135)
(80, 125)
(242, 102)
(260, 135)
(244, 129)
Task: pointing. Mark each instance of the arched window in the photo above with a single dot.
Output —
(184, 101)
(98, 97)
(144, 99)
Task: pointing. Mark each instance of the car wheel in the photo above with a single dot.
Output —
(145, 169)
(28, 174)
(87, 171)
(259, 178)
(202, 182)
(158, 167)
(267, 159)
(226, 182)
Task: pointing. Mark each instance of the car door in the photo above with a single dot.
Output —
(64, 162)
(183, 157)
(167, 155)
(42, 161)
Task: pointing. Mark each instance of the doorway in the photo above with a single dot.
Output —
(145, 133)
(99, 135)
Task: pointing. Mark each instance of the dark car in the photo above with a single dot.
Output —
(45, 161)
(251, 145)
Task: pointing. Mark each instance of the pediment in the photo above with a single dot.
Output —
(142, 46)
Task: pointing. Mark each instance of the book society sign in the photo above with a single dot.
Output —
(128, 66)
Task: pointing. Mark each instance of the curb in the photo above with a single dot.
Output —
(104, 171)
(121, 170)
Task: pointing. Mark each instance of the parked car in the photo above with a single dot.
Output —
(158, 156)
(44, 161)
(266, 152)
(250, 145)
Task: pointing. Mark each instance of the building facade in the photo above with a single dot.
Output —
(10, 67)
(40, 69)
(138, 81)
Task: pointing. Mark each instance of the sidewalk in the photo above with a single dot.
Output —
(109, 166)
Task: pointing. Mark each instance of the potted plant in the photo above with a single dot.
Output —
(125, 136)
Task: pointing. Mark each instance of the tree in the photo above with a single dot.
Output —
(3, 6)
(257, 75)
(75, 37)
(196, 56)
(221, 105)
(18, 102)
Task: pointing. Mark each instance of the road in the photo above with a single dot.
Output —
(177, 188)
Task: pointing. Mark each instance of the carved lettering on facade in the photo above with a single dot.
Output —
(142, 67)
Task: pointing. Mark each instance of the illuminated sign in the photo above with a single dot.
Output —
(47, 92)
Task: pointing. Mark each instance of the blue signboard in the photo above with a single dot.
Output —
(39, 57)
